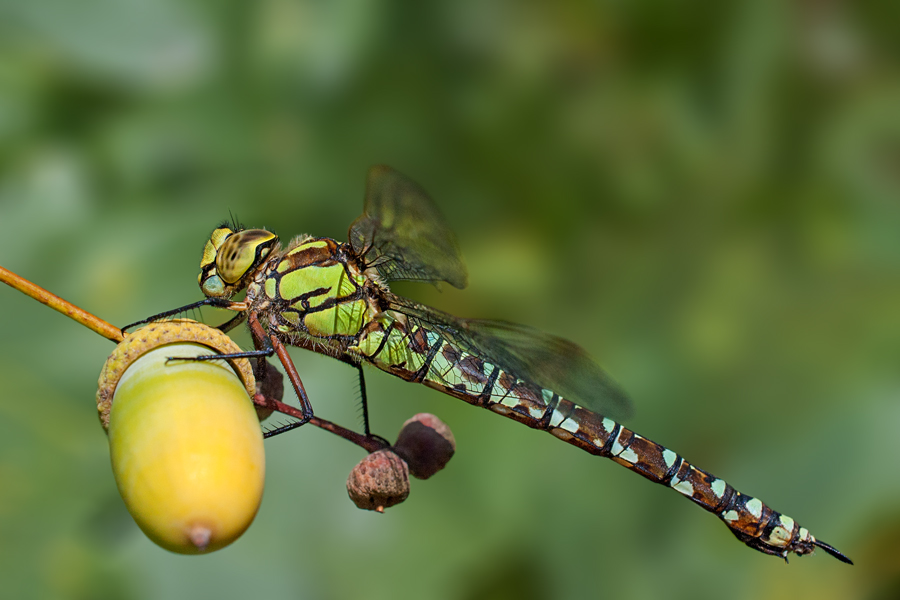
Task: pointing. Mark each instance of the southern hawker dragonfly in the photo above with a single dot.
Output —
(333, 298)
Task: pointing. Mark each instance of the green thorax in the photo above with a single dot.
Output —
(313, 288)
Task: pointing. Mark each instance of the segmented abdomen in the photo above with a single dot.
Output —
(424, 356)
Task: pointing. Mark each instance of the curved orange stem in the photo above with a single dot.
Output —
(95, 324)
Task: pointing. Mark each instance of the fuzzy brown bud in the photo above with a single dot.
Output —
(271, 387)
(426, 444)
(379, 481)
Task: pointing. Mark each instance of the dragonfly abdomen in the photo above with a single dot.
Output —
(423, 355)
(752, 521)
(748, 518)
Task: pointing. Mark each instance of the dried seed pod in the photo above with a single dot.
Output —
(271, 386)
(184, 440)
(379, 481)
(426, 444)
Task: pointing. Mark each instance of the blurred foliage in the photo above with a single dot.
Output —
(706, 195)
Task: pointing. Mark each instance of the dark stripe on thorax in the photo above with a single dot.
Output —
(331, 301)
(384, 340)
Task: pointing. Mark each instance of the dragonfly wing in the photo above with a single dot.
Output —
(539, 358)
(403, 234)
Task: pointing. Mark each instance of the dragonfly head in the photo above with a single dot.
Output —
(231, 257)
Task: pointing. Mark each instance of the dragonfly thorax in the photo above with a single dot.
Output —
(231, 257)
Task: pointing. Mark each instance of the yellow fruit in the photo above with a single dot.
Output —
(186, 449)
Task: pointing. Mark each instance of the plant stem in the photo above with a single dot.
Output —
(95, 324)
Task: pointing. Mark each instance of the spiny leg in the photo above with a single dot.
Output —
(261, 340)
(355, 363)
(216, 302)
(364, 399)
(368, 443)
(233, 322)
(268, 396)
(272, 343)
(305, 406)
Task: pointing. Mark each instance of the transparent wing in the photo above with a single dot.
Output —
(539, 358)
(403, 234)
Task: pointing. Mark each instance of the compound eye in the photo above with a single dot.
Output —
(212, 286)
(241, 252)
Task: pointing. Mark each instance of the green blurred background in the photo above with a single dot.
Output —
(706, 195)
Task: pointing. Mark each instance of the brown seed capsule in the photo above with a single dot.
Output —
(426, 444)
(379, 481)
(271, 387)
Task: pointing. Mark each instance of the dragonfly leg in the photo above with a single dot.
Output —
(217, 302)
(232, 323)
(261, 340)
(272, 343)
(356, 364)
(264, 349)
(364, 399)
(249, 354)
(365, 406)
(268, 396)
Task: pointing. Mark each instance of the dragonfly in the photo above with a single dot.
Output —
(334, 298)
